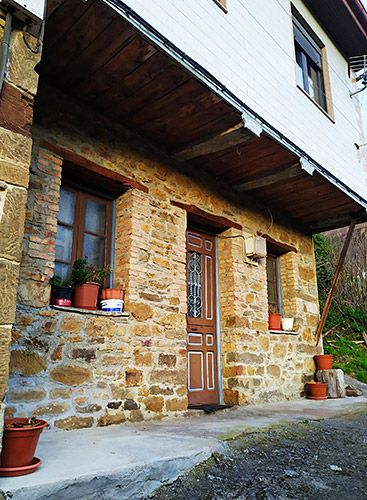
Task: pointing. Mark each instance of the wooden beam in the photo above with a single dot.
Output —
(230, 138)
(335, 280)
(93, 167)
(216, 221)
(267, 180)
(278, 245)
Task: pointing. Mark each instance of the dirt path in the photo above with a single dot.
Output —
(304, 460)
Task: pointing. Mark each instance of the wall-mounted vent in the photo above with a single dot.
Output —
(357, 67)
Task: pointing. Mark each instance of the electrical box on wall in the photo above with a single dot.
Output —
(255, 247)
(27, 11)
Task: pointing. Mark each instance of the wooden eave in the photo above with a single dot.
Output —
(99, 58)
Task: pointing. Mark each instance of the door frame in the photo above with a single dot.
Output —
(192, 227)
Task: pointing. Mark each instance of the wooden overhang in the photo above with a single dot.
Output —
(120, 66)
(345, 21)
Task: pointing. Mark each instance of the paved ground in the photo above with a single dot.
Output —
(304, 460)
(133, 460)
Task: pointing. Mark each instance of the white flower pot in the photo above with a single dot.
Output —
(287, 324)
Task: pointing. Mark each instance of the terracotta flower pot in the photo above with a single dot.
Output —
(19, 444)
(275, 321)
(324, 361)
(113, 293)
(317, 390)
(86, 295)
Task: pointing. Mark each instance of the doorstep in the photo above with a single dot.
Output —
(130, 461)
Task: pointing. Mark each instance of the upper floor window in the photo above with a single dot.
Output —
(309, 60)
(83, 230)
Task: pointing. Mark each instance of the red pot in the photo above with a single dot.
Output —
(19, 444)
(113, 293)
(86, 295)
(275, 321)
(324, 361)
(317, 391)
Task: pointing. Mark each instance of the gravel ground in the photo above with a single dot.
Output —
(324, 459)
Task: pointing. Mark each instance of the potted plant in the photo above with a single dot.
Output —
(20, 440)
(316, 390)
(287, 324)
(324, 361)
(113, 293)
(61, 291)
(87, 279)
(274, 320)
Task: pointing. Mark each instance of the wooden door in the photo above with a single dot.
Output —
(201, 319)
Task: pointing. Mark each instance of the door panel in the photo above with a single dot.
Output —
(201, 319)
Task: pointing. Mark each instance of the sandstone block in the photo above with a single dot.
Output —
(133, 377)
(176, 404)
(70, 324)
(140, 311)
(71, 375)
(87, 354)
(173, 320)
(91, 408)
(5, 336)
(154, 403)
(21, 64)
(57, 353)
(50, 409)
(31, 395)
(15, 157)
(167, 360)
(168, 377)
(273, 371)
(280, 350)
(135, 416)
(60, 393)
(111, 419)
(143, 357)
(12, 222)
(26, 362)
(8, 283)
(164, 391)
(74, 423)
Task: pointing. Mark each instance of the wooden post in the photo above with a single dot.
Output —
(336, 277)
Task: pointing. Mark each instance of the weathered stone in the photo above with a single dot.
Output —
(71, 375)
(86, 354)
(143, 358)
(8, 281)
(5, 336)
(176, 404)
(133, 377)
(70, 324)
(154, 403)
(164, 391)
(60, 393)
(273, 371)
(130, 404)
(26, 362)
(50, 409)
(111, 419)
(74, 423)
(168, 376)
(167, 360)
(140, 311)
(114, 405)
(135, 416)
(91, 408)
(57, 353)
(30, 395)
(351, 391)
(335, 382)
(12, 222)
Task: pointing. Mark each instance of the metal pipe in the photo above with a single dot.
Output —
(5, 47)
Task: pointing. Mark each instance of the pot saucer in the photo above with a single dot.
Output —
(317, 398)
(21, 471)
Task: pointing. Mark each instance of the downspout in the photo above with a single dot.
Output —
(5, 47)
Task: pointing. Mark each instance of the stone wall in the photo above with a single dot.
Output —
(84, 370)
(16, 111)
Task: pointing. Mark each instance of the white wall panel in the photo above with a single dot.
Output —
(250, 50)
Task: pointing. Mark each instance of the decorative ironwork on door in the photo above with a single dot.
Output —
(194, 285)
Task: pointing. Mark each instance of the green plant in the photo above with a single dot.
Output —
(83, 272)
(56, 281)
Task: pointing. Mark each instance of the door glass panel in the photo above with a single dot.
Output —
(64, 243)
(67, 206)
(95, 217)
(94, 249)
(194, 285)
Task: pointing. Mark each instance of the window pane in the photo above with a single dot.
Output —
(194, 285)
(94, 249)
(67, 206)
(64, 243)
(299, 68)
(95, 217)
(62, 270)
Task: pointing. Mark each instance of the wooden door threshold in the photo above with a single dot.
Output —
(209, 408)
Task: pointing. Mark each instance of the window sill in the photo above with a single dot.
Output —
(87, 311)
(316, 104)
(284, 332)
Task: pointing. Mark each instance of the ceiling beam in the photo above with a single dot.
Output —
(232, 137)
(268, 180)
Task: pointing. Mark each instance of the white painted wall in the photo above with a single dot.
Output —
(250, 50)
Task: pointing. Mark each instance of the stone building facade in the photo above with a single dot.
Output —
(129, 113)
(16, 111)
(85, 369)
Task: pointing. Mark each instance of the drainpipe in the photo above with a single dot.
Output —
(5, 46)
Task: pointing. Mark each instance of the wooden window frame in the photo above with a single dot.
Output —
(278, 290)
(79, 223)
(312, 61)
